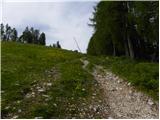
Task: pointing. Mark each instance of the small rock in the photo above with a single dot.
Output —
(19, 110)
(7, 107)
(85, 109)
(14, 117)
(28, 95)
(33, 95)
(107, 58)
(150, 102)
(34, 82)
(41, 90)
(17, 84)
(93, 97)
(83, 103)
(46, 99)
(47, 96)
(110, 77)
(81, 115)
(113, 89)
(94, 94)
(117, 88)
(95, 109)
(130, 92)
(49, 75)
(90, 107)
(2, 91)
(129, 97)
(110, 118)
(91, 116)
(55, 104)
(99, 101)
(119, 81)
(38, 118)
(49, 84)
(119, 115)
(18, 101)
(99, 76)
(38, 87)
(120, 88)
(83, 89)
(129, 84)
(73, 117)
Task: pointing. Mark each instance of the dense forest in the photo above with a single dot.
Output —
(126, 28)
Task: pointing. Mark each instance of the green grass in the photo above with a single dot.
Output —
(25, 66)
(22, 64)
(143, 75)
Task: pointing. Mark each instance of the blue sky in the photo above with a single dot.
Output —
(60, 21)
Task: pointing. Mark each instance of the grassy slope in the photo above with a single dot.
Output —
(23, 64)
(143, 75)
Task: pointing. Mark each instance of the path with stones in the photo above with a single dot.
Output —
(123, 99)
(113, 97)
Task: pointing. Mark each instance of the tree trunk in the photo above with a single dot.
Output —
(114, 50)
(131, 51)
(126, 42)
(129, 42)
(125, 29)
(126, 49)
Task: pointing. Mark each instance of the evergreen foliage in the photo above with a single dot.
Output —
(29, 35)
(42, 39)
(127, 28)
(7, 33)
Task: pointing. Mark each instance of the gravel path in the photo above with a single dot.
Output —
(124, 101)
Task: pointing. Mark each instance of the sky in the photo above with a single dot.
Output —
(60, 20)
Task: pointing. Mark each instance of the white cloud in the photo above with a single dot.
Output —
(61, 21)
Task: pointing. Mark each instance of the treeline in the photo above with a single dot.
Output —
(129, 28)
(29, 35)
(57, 45)
(7, 33)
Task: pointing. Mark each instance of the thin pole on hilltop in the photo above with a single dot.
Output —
(77, 44)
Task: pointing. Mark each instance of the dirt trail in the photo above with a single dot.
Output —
(124, 100)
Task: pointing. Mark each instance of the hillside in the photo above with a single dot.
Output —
(44, 82)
